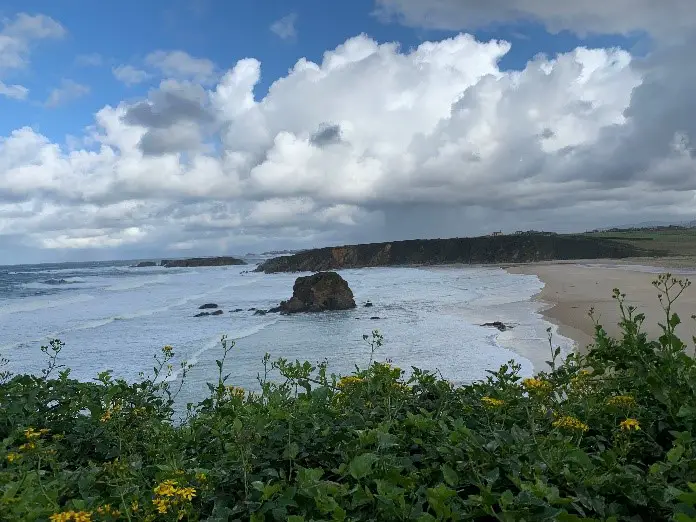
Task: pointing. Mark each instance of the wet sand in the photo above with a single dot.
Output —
(571, 289)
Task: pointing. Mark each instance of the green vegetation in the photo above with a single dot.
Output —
(605, 436)
(674, 241)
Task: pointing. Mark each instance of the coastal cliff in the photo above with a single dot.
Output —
(518, 248)
(202, 261)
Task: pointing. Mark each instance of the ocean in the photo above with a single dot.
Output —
(112, 316)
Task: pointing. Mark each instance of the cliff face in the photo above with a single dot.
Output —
(473, 250)
(203, 261)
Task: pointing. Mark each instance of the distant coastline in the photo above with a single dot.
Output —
(484, 250)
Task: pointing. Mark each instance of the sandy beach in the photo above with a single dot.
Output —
(571, 289)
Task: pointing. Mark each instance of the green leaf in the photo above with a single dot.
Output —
(675, 453)
(451, 477)
(296, 518)
(361, 466)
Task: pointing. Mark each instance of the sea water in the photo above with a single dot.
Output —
(115, 317)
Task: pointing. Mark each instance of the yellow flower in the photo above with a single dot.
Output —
(235, 392)
(571, 423)
(27, 446)
(161, 504)
(106, 416)
(621, 401)
(11, 457)
(166, 488)
(44, 431)
(492, 403)
(135, 507)
(201, 477)
(537, 385)
(31, 433)
(71, 516)
(349, 381)
(630, 424)
(186, 493)
(168, 351)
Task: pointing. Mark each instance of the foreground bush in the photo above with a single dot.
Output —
(606, 436)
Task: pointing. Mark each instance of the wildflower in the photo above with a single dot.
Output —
(537, 385)
(27, 446)
(11, 457)
(135, 507)
(168, 351)
(492, 403)
(71, 516)
(621, 401)
(161, 504)
(571, 423)
(166, 488)
(44, 431)
(106, 416)
(31, 433)
(235, 392)
(106, 509)
(349, 381)
(630, 424)
(186, 493)
(201, 477)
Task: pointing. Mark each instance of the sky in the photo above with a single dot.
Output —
(137, 130)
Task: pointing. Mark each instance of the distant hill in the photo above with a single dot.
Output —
(516, 248)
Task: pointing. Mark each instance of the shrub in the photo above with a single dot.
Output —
(604, 436)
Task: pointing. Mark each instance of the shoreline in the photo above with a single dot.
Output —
(572, 288)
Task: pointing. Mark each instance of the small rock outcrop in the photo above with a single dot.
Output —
(260, 312)
(500, 326)
(145, 264)
(320, 292)
(206, 314)
(236, 310)
(374, 317)
(368, 304)
(208, 306)
(202, 261)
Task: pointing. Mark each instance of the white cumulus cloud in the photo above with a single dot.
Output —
(373, 142)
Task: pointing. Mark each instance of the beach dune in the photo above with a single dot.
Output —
(572, 289)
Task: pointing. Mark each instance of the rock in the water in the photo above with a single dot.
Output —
(275, 310)
(320, 292)
(145, 264)
(260, 312)
(500, 326)
(202, 314)
(236, 310)
(375, 317)
(368, 304)
(251, 310)
(217, 312)
(207, 306)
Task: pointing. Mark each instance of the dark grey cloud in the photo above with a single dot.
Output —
(327, 134)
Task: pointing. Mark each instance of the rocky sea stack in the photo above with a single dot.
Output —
(319, 292)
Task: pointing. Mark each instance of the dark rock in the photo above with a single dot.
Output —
(145, 264)
(207, 306)
(260, 312)
(251, 310)
(500, 326)
(202, 314)
(320, 292)
(236, 310)
(275, 310)
(368, 305)
(202, 261)
(375, 317)
(217, 312)
(56, 282)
